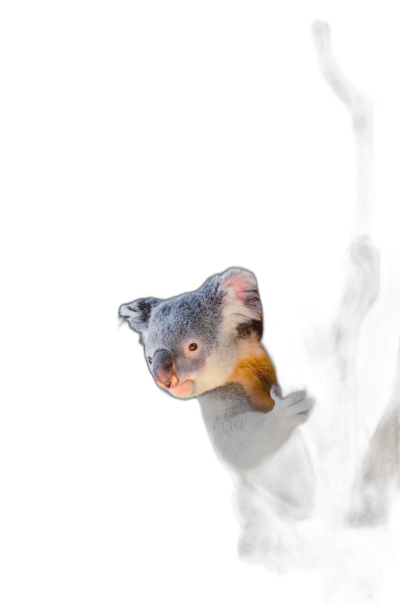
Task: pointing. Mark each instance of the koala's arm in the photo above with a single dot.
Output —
(322, 338)
(244, 437)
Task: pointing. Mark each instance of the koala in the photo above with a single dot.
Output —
(207, 344)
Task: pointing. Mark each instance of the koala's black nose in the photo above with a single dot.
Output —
(163, 369)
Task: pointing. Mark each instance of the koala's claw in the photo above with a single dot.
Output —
(294, 409)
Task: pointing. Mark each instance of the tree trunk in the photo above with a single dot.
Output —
(353, 542)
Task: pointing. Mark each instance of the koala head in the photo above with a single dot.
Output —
(191, 340)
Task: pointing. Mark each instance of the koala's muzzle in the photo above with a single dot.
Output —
(163, 369)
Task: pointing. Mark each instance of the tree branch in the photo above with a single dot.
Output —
(361, 112)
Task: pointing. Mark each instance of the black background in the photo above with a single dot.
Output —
(196, 142)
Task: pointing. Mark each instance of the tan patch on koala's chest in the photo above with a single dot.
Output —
(256, 374)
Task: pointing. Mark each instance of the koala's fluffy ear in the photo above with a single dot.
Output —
(138, 313)
(242, 302)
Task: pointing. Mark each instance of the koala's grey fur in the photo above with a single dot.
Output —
(207, 344)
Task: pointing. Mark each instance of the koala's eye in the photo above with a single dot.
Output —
(193, 346)
(150, 360)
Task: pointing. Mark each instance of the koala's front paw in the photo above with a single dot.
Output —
(292, 410)
(364, 253)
